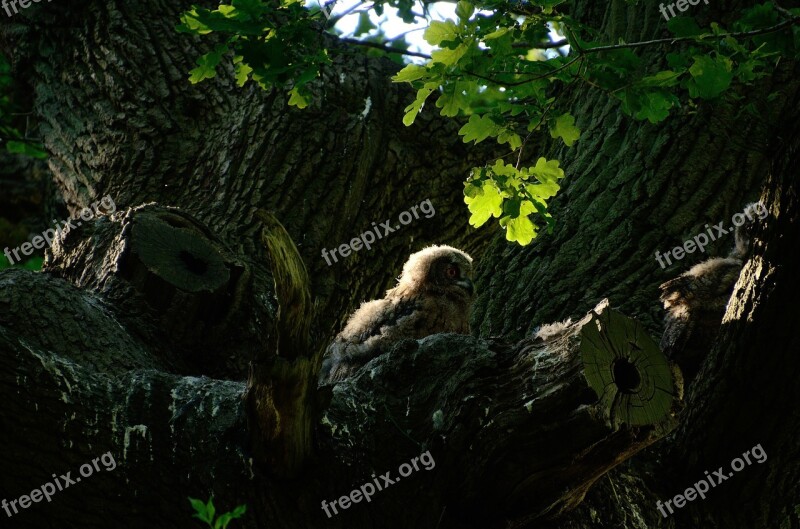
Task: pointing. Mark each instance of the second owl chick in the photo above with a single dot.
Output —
(434, 294)
(695, 301)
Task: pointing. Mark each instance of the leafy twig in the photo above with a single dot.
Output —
(541, 120)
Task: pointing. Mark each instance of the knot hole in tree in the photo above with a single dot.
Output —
(194, 264)
(626, 376)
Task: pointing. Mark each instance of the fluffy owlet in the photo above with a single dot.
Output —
(695, 301)
(434, 294)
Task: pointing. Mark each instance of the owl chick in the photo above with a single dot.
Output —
(695, 301)
(434, 294)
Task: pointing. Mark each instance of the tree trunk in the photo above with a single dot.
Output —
(102, 353)
(747, 393)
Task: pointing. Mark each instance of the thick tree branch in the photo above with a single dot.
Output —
(543, 419)
(540, 421)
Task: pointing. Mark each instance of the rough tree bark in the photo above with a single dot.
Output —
(748, 388)
(120, 119)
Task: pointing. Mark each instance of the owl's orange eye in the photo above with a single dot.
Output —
(452, 272)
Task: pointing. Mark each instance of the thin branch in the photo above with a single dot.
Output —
(577, 45)
(479, 76)
(782, 10)
(745, 34)
(583, 52)
(562, 67)
(403, 34)
(332, 20)
(541, 120)
(384, 47)
(503, 156)
(29, 141)
(543, 46)
(518, 83)
(597, 86)
(586, 80)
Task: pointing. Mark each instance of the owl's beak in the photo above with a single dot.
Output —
(467, 285)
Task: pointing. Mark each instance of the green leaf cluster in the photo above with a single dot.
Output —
(271, 44)
(34, 263)
(12, 235)
(502, 93)
(207, 513)
(517, 197)
(14, 139)
(704, 70)
(497, 70)
(479, 72)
